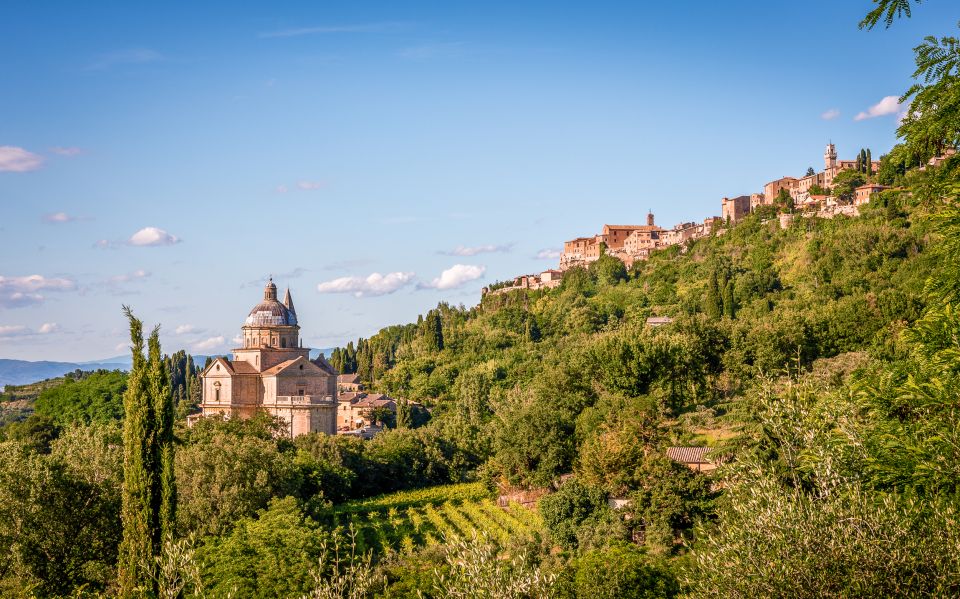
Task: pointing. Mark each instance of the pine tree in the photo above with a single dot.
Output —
(136, 548)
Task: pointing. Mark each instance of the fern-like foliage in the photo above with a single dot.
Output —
(887, 11)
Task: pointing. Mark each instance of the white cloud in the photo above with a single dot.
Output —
(125, 57)
(36, 283)
(456, 276)
(209, 344)
(18, 160)
(282, 189)
(888, 105)
(371, 285)
(102, 244)
(14, 330)
(66, 151)
(59, 217)
(185, 329)
(830, 114)
(548, 254)
(237, 340)
(358, 28)
(480, 249)
(152, 236)
(17, 292)
(19, 330)
(130, 276)
(311, 185)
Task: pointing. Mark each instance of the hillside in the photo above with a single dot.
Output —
(753, 303)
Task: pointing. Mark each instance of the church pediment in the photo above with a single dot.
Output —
(219, 366)
(297, 366)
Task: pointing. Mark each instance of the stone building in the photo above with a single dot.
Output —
(356, 409)
(863, 193)
(272, 372)
(733, 209)
(772, 189)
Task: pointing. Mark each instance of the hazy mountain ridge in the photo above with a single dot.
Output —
(22, 372)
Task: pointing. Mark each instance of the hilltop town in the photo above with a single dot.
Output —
(810, 194)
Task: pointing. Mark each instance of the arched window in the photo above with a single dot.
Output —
(216, 392)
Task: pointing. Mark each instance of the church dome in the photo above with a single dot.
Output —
(271, 312)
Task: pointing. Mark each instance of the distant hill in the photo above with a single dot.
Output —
(22, 372)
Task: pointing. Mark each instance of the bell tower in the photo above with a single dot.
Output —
(830, 156)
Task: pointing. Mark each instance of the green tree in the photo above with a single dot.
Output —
(565, 510)
(139, 465)
(713, 300)
(623, 571)
(729, 300)
(433, 331)
(404, 418)
(783, 201)
(845, 183)
(271, 555)
(810, 171)
(163, 492)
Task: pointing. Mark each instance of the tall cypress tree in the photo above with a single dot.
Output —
(729, 303)
(136, 549)
(869, 163)
(404, 418)
(712, 302)
(164, 492)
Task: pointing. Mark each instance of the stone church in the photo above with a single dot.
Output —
(273, 372)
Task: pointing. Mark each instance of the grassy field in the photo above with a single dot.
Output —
(407, 520)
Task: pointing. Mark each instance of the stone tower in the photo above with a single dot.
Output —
(830, 156)
(649, 218)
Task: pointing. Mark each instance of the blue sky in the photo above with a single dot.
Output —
(172, 157)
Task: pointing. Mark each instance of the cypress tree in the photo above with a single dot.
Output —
(438, 330)
(404, 418)
(713, 305)
(164, 492)
(869, 162)
(729, 304)
(136, 549)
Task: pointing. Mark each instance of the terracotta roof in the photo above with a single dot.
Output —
(689, 455)
(631, 227)
(275, 369)
(348, 378)
(322, 363)
(370, 402)
(243, 367)
(659, 320)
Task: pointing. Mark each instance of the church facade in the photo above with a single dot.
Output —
(273, 372)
